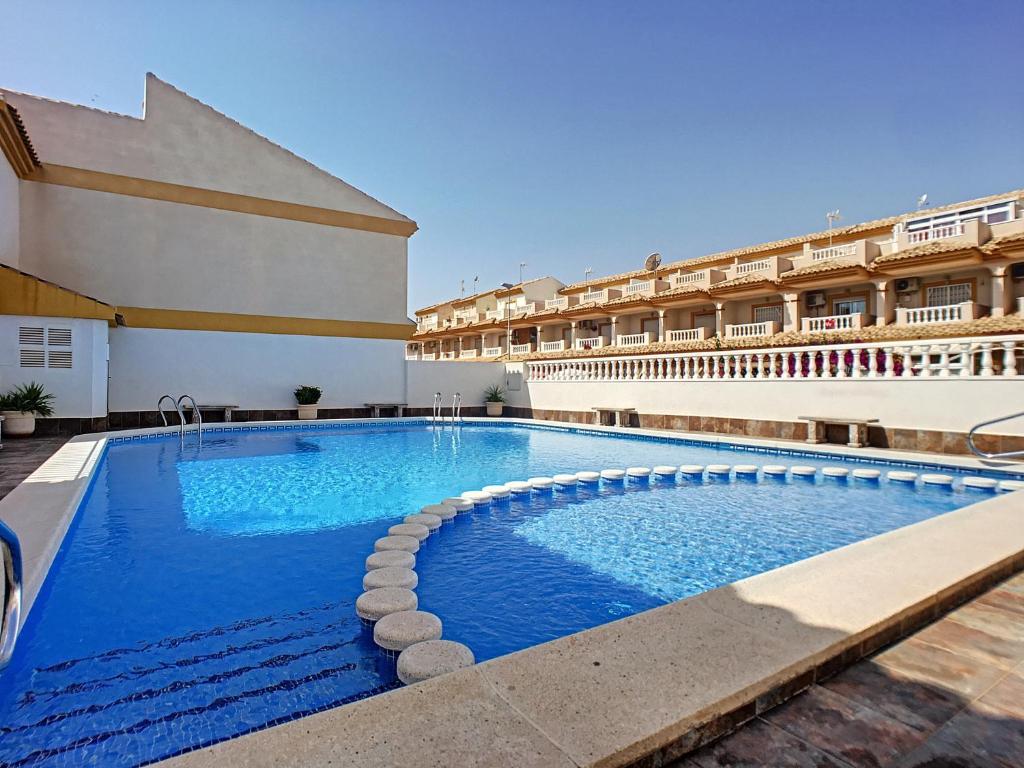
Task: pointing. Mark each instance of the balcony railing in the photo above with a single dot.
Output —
(593, 343)
(633, 339)
(492, 351)
(950, 313)
(748, 267)
(832, 323)
(428, 356)
(983, 358)
(468, 353)
(688, 278)
(598, 296)
(752, 330)
(935, 233)
(447, 355)
(560, 303)
(689, 334)
(522, 349)
(552, 346)
(834, 252)
(637, 288)
(495, 314)
(411, 354)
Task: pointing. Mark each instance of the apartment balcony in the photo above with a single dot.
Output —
(643, 288)
(861, 252)
(427, 326)
(689, 334)
(593, 343)
(466, 317)
(769, 267)
(834, 323)
(561, 302)
(428, 356)
(522, 349)
(702, 279)
(600, 297)
(752, 330)
(495, 314)
(950, 313)
(633, 339)
(492, 351)
(968, 233)
(553, 346)
(447, 356)
(412, 354)
(468, 354)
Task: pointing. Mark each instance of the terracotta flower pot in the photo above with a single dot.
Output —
(307, 411)
(18, 424)
(494, 409)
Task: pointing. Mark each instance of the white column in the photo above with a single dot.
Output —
(720, 319)
(1000, 303)
(791, 312)
(615, 333)
(661, 325)
(572, 335)
(885, 302)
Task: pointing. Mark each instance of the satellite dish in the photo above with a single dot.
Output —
(652, 262)
(922, 201)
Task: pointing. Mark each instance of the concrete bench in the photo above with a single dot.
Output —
(858, 429)
(227, 409)
(621, 416)
(375, 408)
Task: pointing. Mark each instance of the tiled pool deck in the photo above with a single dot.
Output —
(19, 458)
(951, 695)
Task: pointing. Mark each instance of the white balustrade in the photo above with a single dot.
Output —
(985, 357)
(522, 349)
(495, 314)
(831, 323)
(593, 343)
(935, 233)
(428, 356)
(746, 268)
(944, 314)
(447, 355)
(751, 330)
(412, 354)
(492, 351)
(834, 252)
(597, 296)
(690, 334)
(688, 278)
(559, 303)
(468, 353)
(641, 286)
(633, 339)
(552, 346)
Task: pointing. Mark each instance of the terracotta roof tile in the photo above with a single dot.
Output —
(993, 245)
(829, 265)
(926, 249)
(751, 279)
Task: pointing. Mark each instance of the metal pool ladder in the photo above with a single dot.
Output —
(457, 407)
(10, 619)
(197, 417)
(435, 412)
(978, 452)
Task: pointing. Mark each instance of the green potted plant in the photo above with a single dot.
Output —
(307, 398)
(21, 405)
(494, 399)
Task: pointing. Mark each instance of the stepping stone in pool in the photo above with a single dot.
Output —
(373, 605)
(399, 630)
(867, 474)
(692, 470)
(746, 470)
(478, 498)
(899, 476)
(403, 543)
(613, 474)
(665, 470)
(588, 477)
(565, 481)
(837, 473)
(774, 470)
(719, 470)
(444, 511)
(638, 473)
(430, 522)
(432, 658)
(457, 503)
(541, 483)
(497, 491)
(519, 487)
(392, 558)
(945, 481)
(419, 532)
(980, 483)
(803, 471)
(1008, 486)
(390, 577)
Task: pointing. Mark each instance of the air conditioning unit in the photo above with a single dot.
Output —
(815, 299)
(908, 285)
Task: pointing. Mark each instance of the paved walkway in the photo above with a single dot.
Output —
(949, 696)
(19, 458)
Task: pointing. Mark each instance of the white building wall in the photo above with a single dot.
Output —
(81, 391)
(9, 216)
(252, 370)
(425, 378)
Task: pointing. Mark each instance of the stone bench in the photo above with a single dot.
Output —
(618, 417)
(375, 408)
(858, 429)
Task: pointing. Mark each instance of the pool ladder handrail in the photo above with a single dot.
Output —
(457, 407)
(435, 412)
(10, 620)
(197, 417)
(177, 407)
(978, 452)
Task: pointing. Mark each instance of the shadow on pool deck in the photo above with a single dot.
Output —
(20, 457)
(951, 695)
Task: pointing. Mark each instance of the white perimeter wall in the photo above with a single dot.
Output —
(448, 377)
(80, 391)
(8, 215)
(252, 370)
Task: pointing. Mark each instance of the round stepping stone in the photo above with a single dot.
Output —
(800, 470)
(432, 658)
(445, 511)
(836, 472)
(417, 531)
(565, 480)
(519, 487)
(665, 470)
(430, 522)
(497, 491)
(612, 474)
(692, 469)
(774, 470)
(980, 483)
(943, 480)
(719, 469)
(458, 503)
(866, 474)
(391, 577)
(397, 631)
(1008, 486)
(745, 469)
(899, 476)
(541, 483)
(402, 543)
(392, 558)
(478, 498)
(375, 604)
(638, 473)
(588, 477)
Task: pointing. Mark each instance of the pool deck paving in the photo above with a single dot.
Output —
(20, 457)
(950, 695)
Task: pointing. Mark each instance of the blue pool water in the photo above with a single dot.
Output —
(205, 592)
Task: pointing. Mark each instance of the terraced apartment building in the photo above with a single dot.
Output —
(955, 270)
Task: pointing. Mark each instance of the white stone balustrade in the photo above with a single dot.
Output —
(832, 323)
(492, 351)
(749, 267)
(690, 334)
(553, 346)
(595, 342)
(752, 330)
(560, 302)
(468, 354)
(638, 288)
(689, 278)
(633, 339)
(935, 233)
(845, 251)
(428, 356)
(944, 314)
(522, 349)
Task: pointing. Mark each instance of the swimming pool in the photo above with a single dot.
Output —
(205, 592)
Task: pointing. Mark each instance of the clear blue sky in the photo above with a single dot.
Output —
(569, 135)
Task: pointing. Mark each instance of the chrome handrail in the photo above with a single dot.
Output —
(181, 416)
(435, 413)
(197, 417)
(10, 620)
(457, 407)
(978, 452)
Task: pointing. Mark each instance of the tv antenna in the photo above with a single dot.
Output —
(833, 217)
(522, 264)
(587, 273)
(652, 262)
(462, 288)
(922, 201)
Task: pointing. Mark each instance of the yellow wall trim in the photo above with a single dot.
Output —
(189, 320)
(99, 181)
(24, 294)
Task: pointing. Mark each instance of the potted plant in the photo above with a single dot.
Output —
(494, 399)
(21, 405)
(307, 398)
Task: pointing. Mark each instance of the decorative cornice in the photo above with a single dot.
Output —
(15, 143)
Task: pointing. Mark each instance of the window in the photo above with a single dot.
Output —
(944, 295)
(40, 347)
(768, 313)
(849, 306)
(993, 213)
